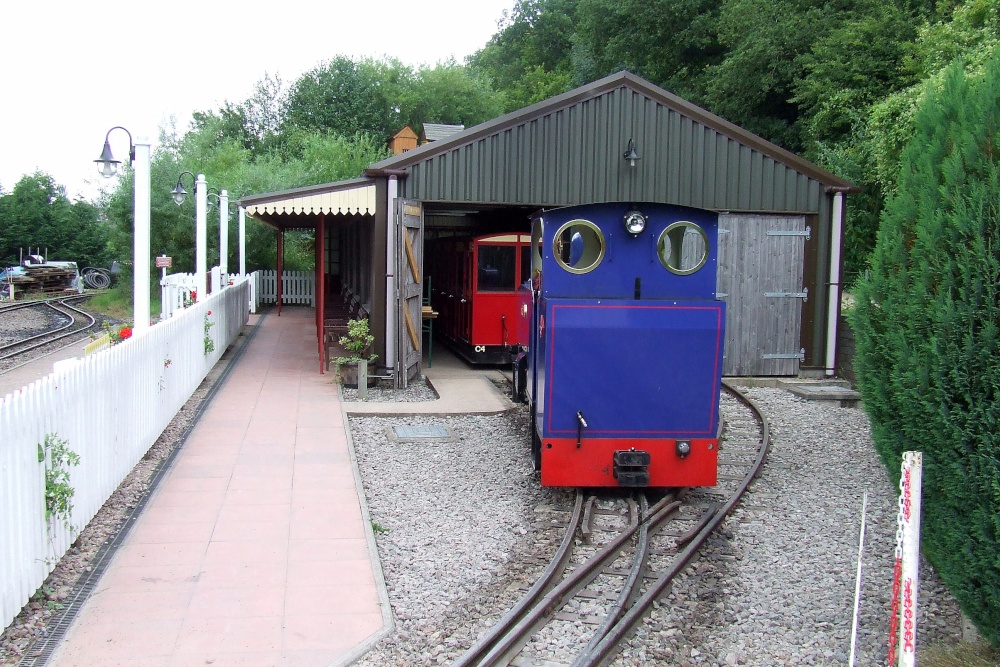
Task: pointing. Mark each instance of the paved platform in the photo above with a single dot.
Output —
(461, 388)
(255, 548)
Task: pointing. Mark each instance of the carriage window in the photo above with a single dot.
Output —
(496, 268)
(578, 246)
(683, 248)
(525, 264)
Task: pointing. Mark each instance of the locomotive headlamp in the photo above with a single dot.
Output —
(635, 222)
(683, 448)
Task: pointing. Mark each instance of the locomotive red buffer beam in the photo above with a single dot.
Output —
(597, 460)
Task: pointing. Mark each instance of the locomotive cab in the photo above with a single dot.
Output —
(624, 345)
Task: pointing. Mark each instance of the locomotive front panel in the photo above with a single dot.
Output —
(629, 393)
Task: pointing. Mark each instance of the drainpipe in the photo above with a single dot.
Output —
(833, 307)
(391, 303)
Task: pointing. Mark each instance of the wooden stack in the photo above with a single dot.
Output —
(43, 279)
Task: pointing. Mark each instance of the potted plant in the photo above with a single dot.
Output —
(357, 344)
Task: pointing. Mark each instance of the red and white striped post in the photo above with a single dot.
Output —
(903, 624)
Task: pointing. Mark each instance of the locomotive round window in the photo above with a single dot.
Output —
(578, 246)
(682, 248)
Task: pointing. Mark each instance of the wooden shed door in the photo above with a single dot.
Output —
(760, 277)
(409, 288)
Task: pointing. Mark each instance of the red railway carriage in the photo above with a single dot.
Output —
(473, 285)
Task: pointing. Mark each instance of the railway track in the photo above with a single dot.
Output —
(619, 555)
(71, 321)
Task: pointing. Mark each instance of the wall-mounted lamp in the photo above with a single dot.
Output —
(107, 165)
(630, 154)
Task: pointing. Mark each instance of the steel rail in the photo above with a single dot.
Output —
(506, 642)
(49, 334)
(630, 591)
(611, 642)
(544, 582)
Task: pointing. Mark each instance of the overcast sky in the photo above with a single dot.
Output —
(73, 69)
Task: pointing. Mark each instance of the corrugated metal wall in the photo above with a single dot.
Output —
(573, 155)
(570, 150)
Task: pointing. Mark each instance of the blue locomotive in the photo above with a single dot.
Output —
(623, 364)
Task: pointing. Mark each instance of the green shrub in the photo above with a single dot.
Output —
(927, 327)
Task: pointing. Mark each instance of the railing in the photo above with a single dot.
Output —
(109, 407)
(297, 287)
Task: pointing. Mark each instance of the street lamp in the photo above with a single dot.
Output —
(179, 193)
(200, 227)
(107, 165)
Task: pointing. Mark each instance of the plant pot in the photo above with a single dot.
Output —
(349, 376)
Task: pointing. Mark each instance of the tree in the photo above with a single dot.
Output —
(530, 58)
(866, 57)
(447, 93)
(37, 214)
(927, 326)
(669, 42)
(344, 96)
(765, 41)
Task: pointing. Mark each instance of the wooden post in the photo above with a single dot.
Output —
(321, 288)
(362, 379)
(281, 253)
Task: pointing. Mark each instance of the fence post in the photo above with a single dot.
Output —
(905, 586)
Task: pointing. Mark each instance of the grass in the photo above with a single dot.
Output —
(116, 303)
(977, 654)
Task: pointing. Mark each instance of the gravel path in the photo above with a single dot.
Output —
(460, 528)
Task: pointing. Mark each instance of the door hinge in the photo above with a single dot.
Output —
(807, 232)
(800, 355)
(804, 294)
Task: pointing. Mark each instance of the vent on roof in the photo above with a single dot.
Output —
(436, 132)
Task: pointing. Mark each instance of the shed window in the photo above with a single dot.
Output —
(682, 248)
(496, 271)
(578, 246)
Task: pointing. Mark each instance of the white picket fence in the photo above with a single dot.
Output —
(297, 287)
(110, 407)
(177, 289)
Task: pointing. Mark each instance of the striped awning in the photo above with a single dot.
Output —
(358, 201)
(292, 208)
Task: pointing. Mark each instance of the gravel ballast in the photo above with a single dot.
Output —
(462, 526)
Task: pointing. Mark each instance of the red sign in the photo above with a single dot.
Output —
(163, 262)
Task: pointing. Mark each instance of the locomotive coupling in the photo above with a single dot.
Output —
(631, 467)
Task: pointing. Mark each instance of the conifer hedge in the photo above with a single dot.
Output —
(927, 327)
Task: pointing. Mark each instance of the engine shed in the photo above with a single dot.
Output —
(618, 139)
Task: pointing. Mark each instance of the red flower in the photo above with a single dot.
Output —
(124, 332)
(209, 312)
(194, 294)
